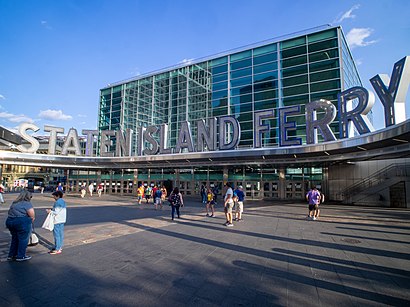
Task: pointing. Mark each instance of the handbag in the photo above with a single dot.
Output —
(49, 222)
(33, 240)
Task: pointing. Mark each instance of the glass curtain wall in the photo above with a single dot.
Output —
(286, 73)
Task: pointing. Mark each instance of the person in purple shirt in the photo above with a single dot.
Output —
(313, 197)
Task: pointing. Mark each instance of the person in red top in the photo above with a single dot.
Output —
(1, 194)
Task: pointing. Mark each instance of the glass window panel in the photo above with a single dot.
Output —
(264, 49)
(288, 72)
(332, 43)
(241, 73)
(241, 90)
(241, 55)
(324, 65)
(266, 67)
(219, 69)
(241, 81)
(220, 86)
(295, 100)
(265, 77)
(219, 102)
(271, 57)
(265, 104)
(323, 55)
(219, 61)
(295, 80)
(322, 35)
(263, 86)
(248, 116)
(238, 109)
(220, 111)
(220, 94)
(219, 78)
(294, 61)
(295, 90)
(241, 64)
(293, 42)
(288, 53)
(324, 86)
(241, 99)
(325, 75)
(265, 95)
(329, 95)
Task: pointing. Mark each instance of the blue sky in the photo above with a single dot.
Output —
(57, 55)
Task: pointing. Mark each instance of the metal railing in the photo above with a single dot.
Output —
(391, 171)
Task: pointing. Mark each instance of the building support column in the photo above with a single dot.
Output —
(110, 183)
(122, 183)
(282, 183)
(225, 175)
(135, 182)
(67, 180)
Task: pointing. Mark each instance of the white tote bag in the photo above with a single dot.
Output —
(49, 222)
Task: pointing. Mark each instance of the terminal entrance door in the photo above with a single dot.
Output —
(295, 189)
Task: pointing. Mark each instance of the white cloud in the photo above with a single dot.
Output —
(186, 61)
(358, 62)
(45, 24)
(357, 37)
(2, 97)
(81, 115)
(54, 115)
(16, 118)
(347, 15)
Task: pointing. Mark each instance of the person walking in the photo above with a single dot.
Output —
(91, 188)
(100, 189)
(239, 204)
(83, 191)
(140, 194)
(313, 197)
(203, 194)
(19, 221)
(59, 213)
(176, 201)
(60, 187)
(158, 198)
(210, 204)
(1, 194)
(228, 205)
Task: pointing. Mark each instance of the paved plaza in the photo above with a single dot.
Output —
(119, 253)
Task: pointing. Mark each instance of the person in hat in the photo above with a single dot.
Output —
(239, 204)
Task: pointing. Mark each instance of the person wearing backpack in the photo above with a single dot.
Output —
(175, 201)
(157, 198)
(313, 197)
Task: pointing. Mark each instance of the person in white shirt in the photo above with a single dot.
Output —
(228, 205)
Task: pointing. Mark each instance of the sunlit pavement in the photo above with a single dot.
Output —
(119, 253)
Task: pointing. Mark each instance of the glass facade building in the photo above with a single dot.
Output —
(290, 71)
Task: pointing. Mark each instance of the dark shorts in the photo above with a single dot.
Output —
(312, 207)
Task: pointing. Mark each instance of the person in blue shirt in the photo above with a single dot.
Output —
(59, 213)
(239, 204)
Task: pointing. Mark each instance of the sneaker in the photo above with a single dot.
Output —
(212, 215)
(23, 259)
(225, 224)
(207, 214)
(314, 219)
(230, 225)
(11, 258)
(55, 252)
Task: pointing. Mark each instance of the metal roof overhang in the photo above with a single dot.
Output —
(389, 143)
